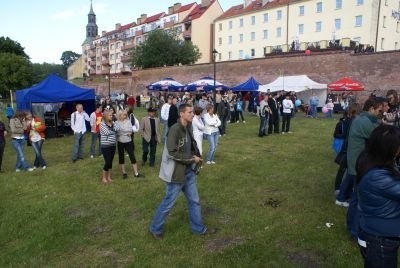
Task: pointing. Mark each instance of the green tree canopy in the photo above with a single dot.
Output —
(8, 45)
(15, 72)
(163, 48)
(68, 57)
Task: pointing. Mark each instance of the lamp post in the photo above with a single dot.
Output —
(109, 81)
(214, 52)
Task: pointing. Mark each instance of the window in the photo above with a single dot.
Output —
(253, 20)
(252, 52)
(319, 7)
(230, 55)
(278, 32)
(219, 26)
(301, 28)
(384, 22)
(240, 54)
(265, 17)
(240, 38)
(219, 56)
(265, 34)
(230, 40)
(301, 10)
(338, 24)
(360, 2)
(318, 26)
(396, 45)
(386, 2)
(358, 21)
(398, 27)
(338, 4)
(219, 40)
(252, 36)
(382, 43)
(279, 15)
(240, 22)
(230, 25)
(112, 46)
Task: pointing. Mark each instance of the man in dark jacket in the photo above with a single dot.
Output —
(178, 171)
(173, 114)
(273, 122)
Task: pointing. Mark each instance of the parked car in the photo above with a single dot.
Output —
(115, 97)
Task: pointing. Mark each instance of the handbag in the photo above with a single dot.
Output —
(337, 145)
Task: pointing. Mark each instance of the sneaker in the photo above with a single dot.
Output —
(124, 176)
(139, 175)
(159, 236)
(34, 167)
(30, 169)
(342, 204)
(289, 132)
(44, 167)
(212, 162)
(209, 231)
(283, 133)
(91, 156)
(17, 170)
(208, 162)
(244, 121)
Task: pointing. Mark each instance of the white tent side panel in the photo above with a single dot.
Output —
(296, 83)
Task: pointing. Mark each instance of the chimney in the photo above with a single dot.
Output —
(205, 3)
(264, 2)
(143, 17)
(103, 33)
(139, 21)
(177, 6)
(248, 2)
(170, 10)
(117, 26)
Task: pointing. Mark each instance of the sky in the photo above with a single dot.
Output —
(47, 28)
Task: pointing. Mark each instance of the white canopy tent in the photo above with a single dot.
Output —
(301, 84)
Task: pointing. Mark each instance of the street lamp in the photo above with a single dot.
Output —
(109, 81)
(214, 52)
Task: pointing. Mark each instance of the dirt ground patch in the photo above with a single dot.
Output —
(221, 243)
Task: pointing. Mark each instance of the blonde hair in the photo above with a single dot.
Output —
(121, 113)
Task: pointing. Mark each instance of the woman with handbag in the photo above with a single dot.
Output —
(36, 136)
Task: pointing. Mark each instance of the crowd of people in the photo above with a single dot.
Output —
(368, 180)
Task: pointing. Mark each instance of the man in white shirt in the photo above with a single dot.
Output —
(164, 118)
(78, 126)
(287, 106)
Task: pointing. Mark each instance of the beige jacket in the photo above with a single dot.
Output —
(145, 128)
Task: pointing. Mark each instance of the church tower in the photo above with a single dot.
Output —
(91, 27)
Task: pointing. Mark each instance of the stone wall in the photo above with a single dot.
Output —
(375, 70)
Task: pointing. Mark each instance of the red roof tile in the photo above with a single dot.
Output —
(197, 12)
(254, 6)
(154, 18)
(185, 7)
(127, 26)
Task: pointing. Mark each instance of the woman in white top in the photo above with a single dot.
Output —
(198, 128)
(211, 122)
(125, 143)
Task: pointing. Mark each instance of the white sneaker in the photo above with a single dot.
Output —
(208, 162)
(91, 156)
(44, 167)
(212, 162)
(244, 121)
(342, 204)
(34, 167)
(30, 169)
(17, 170)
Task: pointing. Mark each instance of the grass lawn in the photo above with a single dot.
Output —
(270, 198)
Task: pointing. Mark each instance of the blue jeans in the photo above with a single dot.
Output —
(313, 111)
(353, 215)
(19, 146)
(79, 141)
(37, 147)
(263, 125)
(346, 188)
(379, 251)
(213, 143)
(95, 137)
(189, 188)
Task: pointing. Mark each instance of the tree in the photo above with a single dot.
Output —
(69, 57)
(7, 45)
(164, 48)
(15, 72)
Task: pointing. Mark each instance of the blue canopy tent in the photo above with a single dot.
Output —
(205, 84)
(54, 90)
(250, 85)
(167, 84)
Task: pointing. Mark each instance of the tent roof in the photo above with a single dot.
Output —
(52, 89)
(296, 83)
(250, 85)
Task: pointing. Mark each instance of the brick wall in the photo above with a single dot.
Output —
(376, 70)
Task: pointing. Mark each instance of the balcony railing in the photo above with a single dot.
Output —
(92, 63)
(128, 46)
(105, 62)
(126, 58)
(168, 24)
(187, 34)
(104, 51)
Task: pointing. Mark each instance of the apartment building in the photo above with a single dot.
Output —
(252, 29)
(110, 53)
